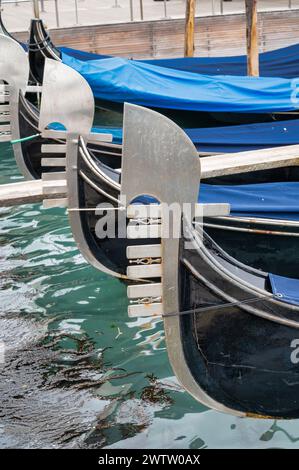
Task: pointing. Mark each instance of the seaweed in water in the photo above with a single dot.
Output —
(46, 398)
(154, 392)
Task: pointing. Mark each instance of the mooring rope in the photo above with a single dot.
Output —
(221, 306)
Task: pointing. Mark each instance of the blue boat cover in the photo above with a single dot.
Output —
(263, 200)
(82, 55)
(286, 288)
(234, 138)
(278, 63)
(121, 80)
(267, 200)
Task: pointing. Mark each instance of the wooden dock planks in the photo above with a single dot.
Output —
(165, 38)
(24, 192)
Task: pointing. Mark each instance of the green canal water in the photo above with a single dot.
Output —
(78, 372)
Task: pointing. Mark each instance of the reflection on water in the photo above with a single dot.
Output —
(78, 372)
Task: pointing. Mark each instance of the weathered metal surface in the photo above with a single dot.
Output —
(54, 162)
(160, 160)
(54, 176)
(141, 251)
(140, 272)
(59, 202)
(14, 67)
(53, 148)
(144, 290)
(72, 109)
(135, 231)
(54, 187)
(146, 310)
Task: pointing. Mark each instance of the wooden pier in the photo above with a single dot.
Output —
(24, 192)
(165, 38)
(34, 191)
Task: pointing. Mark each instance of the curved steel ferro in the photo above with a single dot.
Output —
(14, 66)
(160, 160)
(67, 99)
(75, 111)
(14, 71)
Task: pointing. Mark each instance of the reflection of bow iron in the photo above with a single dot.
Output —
(228, 332)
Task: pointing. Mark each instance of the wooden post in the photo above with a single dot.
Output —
(189, 28)
(35, 9)
(252, 38)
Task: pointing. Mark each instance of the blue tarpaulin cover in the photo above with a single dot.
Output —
(286, 288)
(278, 63)
(234, 138)
(245, 137)
(121, 80)
(264, 200)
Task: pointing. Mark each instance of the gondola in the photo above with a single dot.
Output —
(179, 110)
(46, 154)
(231, 331)
(98, 183)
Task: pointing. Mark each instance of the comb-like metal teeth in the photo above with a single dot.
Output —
(4, 93)
(139, 231)
(144, 290)
(53, 162)
(145, 310)
(59, 202)
(145, 261)
(54, 187)
(54, 176)
(54, 148)
(142, 251)
(144, 272)
(4, 116)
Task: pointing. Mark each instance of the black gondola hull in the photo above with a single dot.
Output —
(240, 360)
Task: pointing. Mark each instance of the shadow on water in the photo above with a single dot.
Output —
(77, 371)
